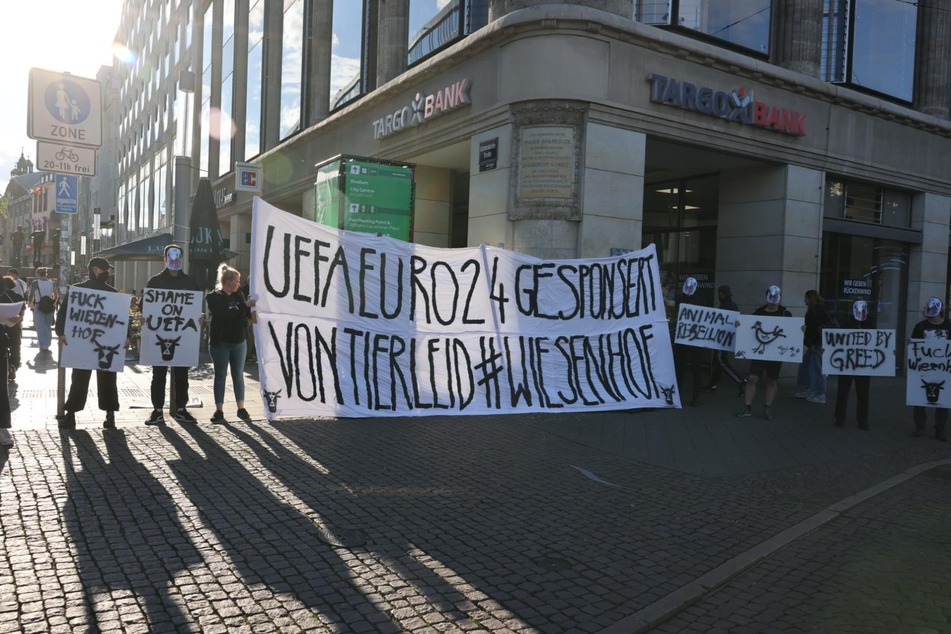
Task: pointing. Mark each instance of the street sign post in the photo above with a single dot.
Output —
(65, 159)
(67, 194)
(64, 109)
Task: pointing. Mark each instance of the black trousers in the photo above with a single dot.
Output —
(79, 390)
(844, 384)
(14, 337)
(179, 376)
(920, 416)
(5, 418)
(720, 366)
(689, 359)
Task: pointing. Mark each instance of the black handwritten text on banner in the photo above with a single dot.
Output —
(706, 327)
(170, 327)
(96, 329)
(861, 352)
(928, 368)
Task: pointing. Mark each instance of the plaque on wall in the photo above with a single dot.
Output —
(546, 167)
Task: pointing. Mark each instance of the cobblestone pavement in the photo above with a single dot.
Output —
(455, 524)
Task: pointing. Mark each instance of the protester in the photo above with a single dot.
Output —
(172, 277)
(759, 367)
(42, 301)
(721, 362)
(812, 383)
(79, 382)
(230, 312)
(7, 296)
(15, 332)
(689, 357)
(844, 382)
(935, 324)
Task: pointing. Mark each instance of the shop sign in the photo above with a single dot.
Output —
(424, 107)
(488, 154)
(862, 288)
(737, 105)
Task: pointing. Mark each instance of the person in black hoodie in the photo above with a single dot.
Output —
(230, 312)
(8, 295)
(844, 382)
(79, 382)
(689, 357)
(721, 362)
(172, 277)
(935, 324)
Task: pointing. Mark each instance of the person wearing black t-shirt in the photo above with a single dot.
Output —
(772, 308)
(230, 311)
(935, 324)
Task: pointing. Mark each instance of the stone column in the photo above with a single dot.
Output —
(498, 8)
(393, 39)
(933, 52)
(318, 46)
(796, 35)
(928, 261)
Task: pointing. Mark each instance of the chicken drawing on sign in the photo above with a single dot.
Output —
(769, 338)
(765, 338)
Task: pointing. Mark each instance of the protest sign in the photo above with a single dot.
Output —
(171, 334)
(769, 338)
(706, 327)
(8, 312)
(928, 365)
(859, 352)
(351, 324)
(96, 330)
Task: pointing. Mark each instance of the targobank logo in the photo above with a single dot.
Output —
(424, 107)
(737, 105)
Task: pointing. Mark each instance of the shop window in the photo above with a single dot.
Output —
(435, 24)
(348, 75)
(740, 23)
(862, 202)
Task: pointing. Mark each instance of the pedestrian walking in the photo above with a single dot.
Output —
(15, 332)
(721, 361)
(759, 367)
(230, 312)
(812, 383)
(79, 378)
(844, 382)
(43, 296)
(172, 277)
(935, 324)
(7, 296)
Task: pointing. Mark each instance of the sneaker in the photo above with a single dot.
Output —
(6, 439)
(243, 415)
(67, 421)
(218, 416)
(803, 394)
(746, 413)
(767, 412)
(110, 422)
(155, 418)
(818, 398)
(709, 388)
(183, 416)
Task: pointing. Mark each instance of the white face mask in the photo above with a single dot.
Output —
(173, 259)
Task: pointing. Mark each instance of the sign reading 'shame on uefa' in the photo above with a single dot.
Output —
(352, 324)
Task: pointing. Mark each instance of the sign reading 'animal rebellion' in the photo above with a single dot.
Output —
(860, 352)
(706, 327)
(171, 331)
(352, 324)
(769, 338)
(928, 365)
(97, 326)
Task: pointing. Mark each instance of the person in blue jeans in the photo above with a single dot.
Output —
(230, 311)
(811, 380)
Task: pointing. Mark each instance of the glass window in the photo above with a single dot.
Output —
(432, 25)
(862, 202)
(292, 67)
(252, 124)
(346, 52)
(205, 135)
(225, 125)
(742, 23)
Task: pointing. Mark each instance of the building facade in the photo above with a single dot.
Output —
(803, 143)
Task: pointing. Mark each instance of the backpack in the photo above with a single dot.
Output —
(47, 305)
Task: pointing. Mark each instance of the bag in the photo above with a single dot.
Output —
(47, 305)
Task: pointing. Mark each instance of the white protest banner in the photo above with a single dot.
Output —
(96, 330)
(928, 364)
(171, 334)
(860, 352)
(706, 327)
(351, 324)
(769, 338)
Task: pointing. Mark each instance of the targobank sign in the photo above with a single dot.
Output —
(737, 105)
(422, 108)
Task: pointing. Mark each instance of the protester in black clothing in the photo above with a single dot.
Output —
(230, 312)
(844, 382)
(79, 381)
(689, 357)
(174, 278)
(15, 332)
(7, 296)
(721, 362)
(935, 324)
(771, 369)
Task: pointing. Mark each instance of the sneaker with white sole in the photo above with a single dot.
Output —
(816, 398)
(182, 415)
(155, 418)
(6, 438)
(803, 394)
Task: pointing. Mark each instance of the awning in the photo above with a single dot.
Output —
(151, 248)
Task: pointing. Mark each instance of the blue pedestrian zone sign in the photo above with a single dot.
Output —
(67, 194)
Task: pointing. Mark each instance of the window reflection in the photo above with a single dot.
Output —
(345, 52)
(740, 22)
(252, 124)
(292, 67)
(432, 25)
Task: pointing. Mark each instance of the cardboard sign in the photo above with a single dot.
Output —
(171, 334)
(769, 338)
(97, 324)
(928, 365)
(704, 327)
(859, 352)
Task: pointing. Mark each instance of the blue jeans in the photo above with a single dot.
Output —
(810, 372)
(223, 355)
(44, 325)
